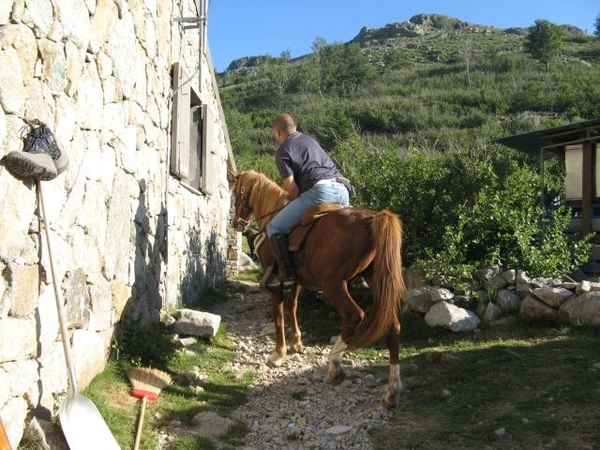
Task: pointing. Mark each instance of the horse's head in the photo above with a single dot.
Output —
(243, 209)
(255, 193)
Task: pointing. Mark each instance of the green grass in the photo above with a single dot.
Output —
(528, 386)
(517, 388)
(252, 275)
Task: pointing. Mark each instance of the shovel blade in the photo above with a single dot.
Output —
(83, 425)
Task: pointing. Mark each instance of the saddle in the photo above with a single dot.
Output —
(309, 218)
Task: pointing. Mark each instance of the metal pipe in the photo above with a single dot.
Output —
(201, 37)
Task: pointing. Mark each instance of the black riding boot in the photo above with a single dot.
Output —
(285, 272)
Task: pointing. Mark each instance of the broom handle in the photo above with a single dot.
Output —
(138, 434)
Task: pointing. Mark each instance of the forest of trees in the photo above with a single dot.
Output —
(412, 122)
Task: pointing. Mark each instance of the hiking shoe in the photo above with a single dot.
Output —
(36, 165)
(61, 162)
(41, 140)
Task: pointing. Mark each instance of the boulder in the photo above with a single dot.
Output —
(451, 317)
(584, 309)
(196, 323)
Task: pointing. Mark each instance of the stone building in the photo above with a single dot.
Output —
(139, 221)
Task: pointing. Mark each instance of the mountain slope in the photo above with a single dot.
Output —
(432, 26)
(433, 82)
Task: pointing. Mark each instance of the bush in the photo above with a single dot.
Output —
(465, 209)
(503, 225)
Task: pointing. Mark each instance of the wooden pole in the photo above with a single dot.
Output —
(587, 186)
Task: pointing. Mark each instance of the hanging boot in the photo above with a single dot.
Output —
(41, 158)
(36, 165)
(285, 272)
(47, 143)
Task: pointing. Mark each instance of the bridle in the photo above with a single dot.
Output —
(243, 211)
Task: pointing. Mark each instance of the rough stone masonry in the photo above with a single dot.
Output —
(129, 239)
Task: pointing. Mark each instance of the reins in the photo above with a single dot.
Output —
(258, 219)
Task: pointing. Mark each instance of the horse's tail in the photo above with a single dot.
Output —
(388, 288)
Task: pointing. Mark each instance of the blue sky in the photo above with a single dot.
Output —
(238, 28)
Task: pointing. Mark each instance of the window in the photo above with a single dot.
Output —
(192, 147)
(575, 173)
(573, 170)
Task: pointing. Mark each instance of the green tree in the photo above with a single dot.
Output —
(597, 26)
(342, 68)
(544, 41)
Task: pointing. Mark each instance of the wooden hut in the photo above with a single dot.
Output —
(577, 145)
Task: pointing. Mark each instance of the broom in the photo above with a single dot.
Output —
(147, 384)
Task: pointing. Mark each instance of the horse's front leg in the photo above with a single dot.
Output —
(279, 354)
(292, 308)
(391, 396)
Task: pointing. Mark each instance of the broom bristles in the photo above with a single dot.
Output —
(147, 382)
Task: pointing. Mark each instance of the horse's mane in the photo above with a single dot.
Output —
(265, 195)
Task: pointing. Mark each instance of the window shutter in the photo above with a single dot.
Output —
(209, 156)
(180, 136)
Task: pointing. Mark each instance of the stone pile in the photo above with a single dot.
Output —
(502, 297)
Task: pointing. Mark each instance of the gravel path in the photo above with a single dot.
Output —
(292, 406)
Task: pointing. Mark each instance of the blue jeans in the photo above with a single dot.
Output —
(290, 216)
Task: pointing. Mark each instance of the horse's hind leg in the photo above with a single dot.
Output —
(352, 315)
(394, 388)
(335, 373)
(292, 308)
(279, 354)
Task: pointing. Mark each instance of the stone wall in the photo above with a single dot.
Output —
(498, 297)
(129, 240)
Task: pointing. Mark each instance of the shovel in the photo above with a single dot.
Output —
(81, 422)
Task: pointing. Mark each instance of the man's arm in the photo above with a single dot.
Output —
(290, 185)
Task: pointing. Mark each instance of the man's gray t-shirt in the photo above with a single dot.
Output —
(302, 156)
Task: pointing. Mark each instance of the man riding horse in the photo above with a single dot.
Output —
(310, 177)
(343, 244)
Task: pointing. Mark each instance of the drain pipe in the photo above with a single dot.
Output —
(199, 22)
(203, 11)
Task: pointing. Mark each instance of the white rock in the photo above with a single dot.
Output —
(446, 315)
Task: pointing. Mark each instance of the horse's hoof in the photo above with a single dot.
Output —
(296, 349)
(391, 399)
(275, 361)
(338, 378)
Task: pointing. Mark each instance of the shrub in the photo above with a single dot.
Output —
(467, 209)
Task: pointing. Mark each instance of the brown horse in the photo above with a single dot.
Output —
(342, 245)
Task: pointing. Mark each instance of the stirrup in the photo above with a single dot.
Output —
(274, 283)
(266, 278)
(288, 284)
